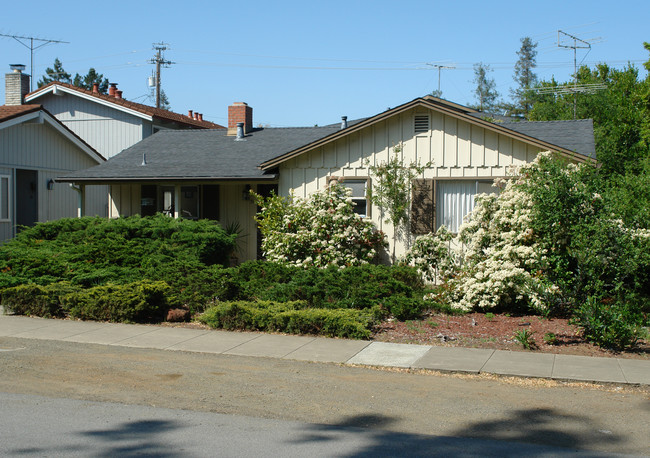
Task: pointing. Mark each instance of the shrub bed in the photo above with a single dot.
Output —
(291, 317)
(139, 302)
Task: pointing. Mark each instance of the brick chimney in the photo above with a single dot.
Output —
(112, 89)
(118, 94)
(95, 88)
(16, 85)
(240, 112)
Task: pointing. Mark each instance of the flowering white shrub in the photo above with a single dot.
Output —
(502, 261)
(434, 255)
(321, 230)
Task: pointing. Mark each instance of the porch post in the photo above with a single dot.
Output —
(177, 201)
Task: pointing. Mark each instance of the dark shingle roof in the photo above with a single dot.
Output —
(201, 155)
(575, 135)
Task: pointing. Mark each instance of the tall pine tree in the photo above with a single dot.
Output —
(525, 78)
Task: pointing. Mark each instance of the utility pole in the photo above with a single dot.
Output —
(575, 46)
(440, 67)
(31, 51)
(159, 61)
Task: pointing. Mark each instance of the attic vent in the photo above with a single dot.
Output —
(421, 124)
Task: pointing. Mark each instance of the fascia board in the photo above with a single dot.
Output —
(20, 119)
(106, 103)
(440, 107)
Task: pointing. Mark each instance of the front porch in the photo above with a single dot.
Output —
(226, 202)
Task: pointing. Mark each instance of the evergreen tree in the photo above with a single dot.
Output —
(485, 91)
(87, 81)
(164, 101)
(524, 77)
(54, 74)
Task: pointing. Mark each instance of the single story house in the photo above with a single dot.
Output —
(207, 174)
(35, 148)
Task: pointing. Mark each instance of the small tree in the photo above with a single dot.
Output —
(391, 192)
(485, 91)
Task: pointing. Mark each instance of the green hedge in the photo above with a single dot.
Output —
(139, 302)
(31, 299)
(94, 251)
(290, 317)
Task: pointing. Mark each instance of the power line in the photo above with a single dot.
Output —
(31, 48)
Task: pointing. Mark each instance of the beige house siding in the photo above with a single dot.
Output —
(456, 148)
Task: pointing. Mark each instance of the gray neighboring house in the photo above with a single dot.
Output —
(35, 148)
(109, 122)
(207, 174)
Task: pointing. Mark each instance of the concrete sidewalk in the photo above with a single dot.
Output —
(318, 349)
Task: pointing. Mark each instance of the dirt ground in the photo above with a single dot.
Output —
(478, 330)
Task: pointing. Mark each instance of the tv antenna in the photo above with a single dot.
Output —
(32, 48)
(586, 88)
(160, 62)
(440, 67)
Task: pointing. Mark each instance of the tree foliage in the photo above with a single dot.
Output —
(485, 92)
(392, 191)
(86, 81)
(620, 113)
(524, 77)
(55, 73)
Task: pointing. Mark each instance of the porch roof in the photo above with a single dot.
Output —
(200, 155)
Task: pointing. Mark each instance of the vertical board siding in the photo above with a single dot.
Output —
(42, 148)
(456, 148)
(107, 129)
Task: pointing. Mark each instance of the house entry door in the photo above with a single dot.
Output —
(26, 197)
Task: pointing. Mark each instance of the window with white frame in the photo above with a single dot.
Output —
(438, 203)
(359, 187)
(455, 199)
(5, 198)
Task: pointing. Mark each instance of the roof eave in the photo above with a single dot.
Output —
(445, 107)
(131, 180)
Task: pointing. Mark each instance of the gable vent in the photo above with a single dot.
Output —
(421, 124)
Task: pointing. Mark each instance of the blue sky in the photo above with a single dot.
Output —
(307, 63)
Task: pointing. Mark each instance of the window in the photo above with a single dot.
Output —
(5, 198)
(359, 187)
(421, 123)
(454, 199)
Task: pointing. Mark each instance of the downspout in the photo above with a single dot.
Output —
(81, 203)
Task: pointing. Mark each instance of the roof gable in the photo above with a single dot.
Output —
(447, 108)
(136, 109)
(12, 115)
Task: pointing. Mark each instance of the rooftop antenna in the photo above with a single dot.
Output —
(160, 61)
(32, 48)
(440, 67)
(575, 46)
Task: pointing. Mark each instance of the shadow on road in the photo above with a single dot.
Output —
(136, 438)
(525, 432)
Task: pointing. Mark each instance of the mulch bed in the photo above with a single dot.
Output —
(476, 330)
